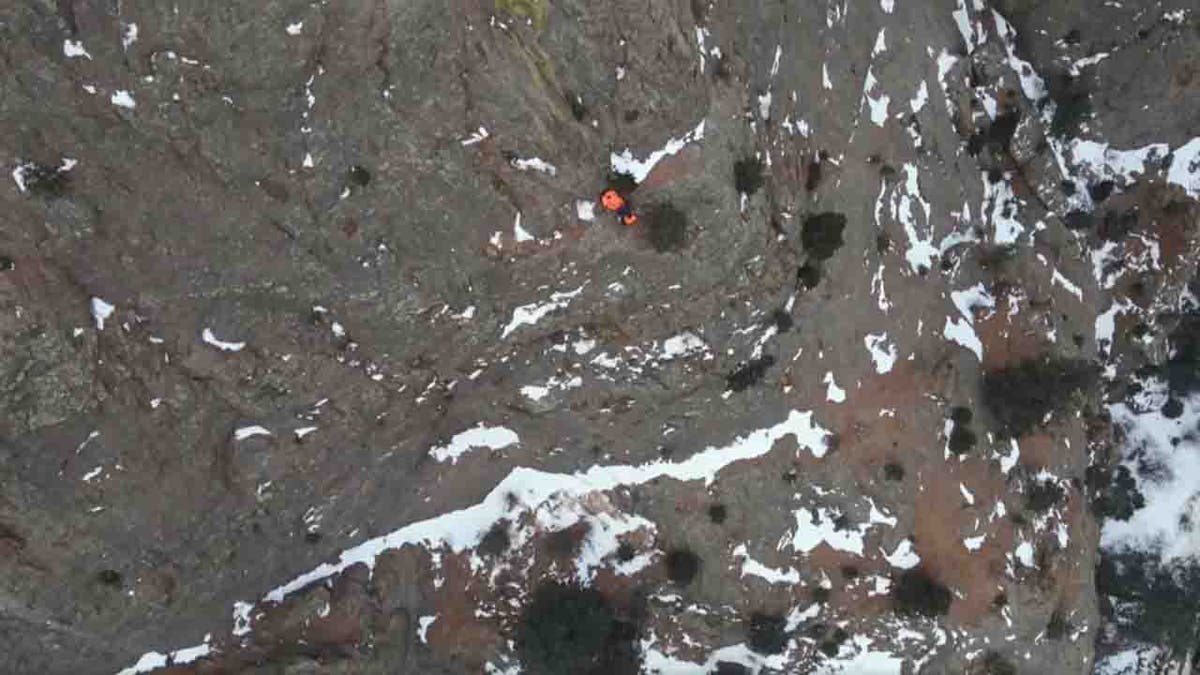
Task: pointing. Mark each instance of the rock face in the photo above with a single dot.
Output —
(317, 353)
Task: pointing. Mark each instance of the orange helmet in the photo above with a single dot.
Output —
(630, 220)
(611, 200)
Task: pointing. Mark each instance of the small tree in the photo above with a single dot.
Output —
(572, 630)
(916, 593)
(1019, 397)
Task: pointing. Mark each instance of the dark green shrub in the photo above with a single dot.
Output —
(915, 593)
(767, 634)
(748, 175)
(666, 227)
(822, 234)
(682, 566)
(1019, 397)
(571, 630)
(749, 373)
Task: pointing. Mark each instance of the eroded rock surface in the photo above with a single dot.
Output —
(317, 353)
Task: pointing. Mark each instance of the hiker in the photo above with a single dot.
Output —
(612, 200)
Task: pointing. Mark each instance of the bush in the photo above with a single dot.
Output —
(915, 593)
(767, 634)
(1043, 495)
(749, 373)
(1002, 129)
(1019, 397)
(808, 276)
(666, 227)
(571, 630)
(1113, 492)
(682, 566)
(496, 540)
(1149, 600)
(622, 182)
(995, 664)
(731, 668)
(822, 234)
(893, 471)
(1071, 111)
(831, 644)
(46, 181)
(748, 175)
(717, 513)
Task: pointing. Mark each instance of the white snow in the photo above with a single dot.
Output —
(74, 49)
(209, 338)
(585, 210)
(153, 660)
(535, 164)
(295, 28)
(764, 106)
(18, 176)
(423, 624)
(974, 543)
(879, 291)
(967, 495)
(625, 162)
(968, 300)
(462, 529)
(129, 36)
(883, 353)
(816, 526)
(1106, 322)
(1066, 283)
(1185, 168)
(530, 314)
(904, 204)
(241, 618)
(91, 475)
(123, 99)
(480, 436)
(1171, 493)
(538, 392)
(476, 137)
(1099, 160)
(863, 661)
(101, 310)
(773, 575)
(303, 431)
(960, 332)
(825, 82)
(682, 345)
(904, 556)
(1000, 206)
(519, 233)
(880, 43)
(833, 393)
(887, 6)
(878, 103)
(1024, 554)
(249, 432)
(918, 102)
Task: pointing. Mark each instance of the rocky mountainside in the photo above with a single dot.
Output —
(318, 353)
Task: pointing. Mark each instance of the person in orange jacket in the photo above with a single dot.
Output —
(612, 200)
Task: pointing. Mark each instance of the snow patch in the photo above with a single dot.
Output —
(481, 436)
(101, 310)
(625, 162)
(209, 338)
(123, 99)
